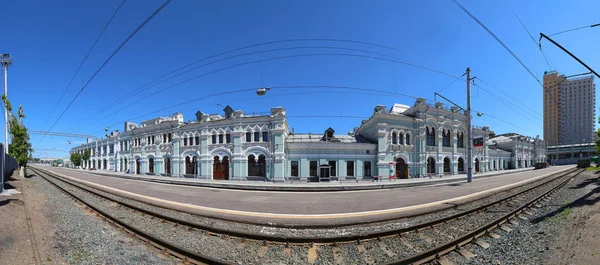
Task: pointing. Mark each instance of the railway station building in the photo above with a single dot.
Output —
(402, 141)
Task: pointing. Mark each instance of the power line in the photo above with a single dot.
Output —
(275, 87)
(505, 102)
(497, 39)
(125, 97)
(530, 36)
(109, 58)
(458, 78)
(578, 28)
(83, 61)
(278, 58)
(510, 97)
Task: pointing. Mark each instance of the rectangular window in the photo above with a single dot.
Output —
(169, 138)
(220, 138)
(313, 168)
(112, 148)
(214, 138)
(228, 138)
(152, 139)
(350, 168)
(164, 137)
(294, 168)
(248, 137)
(256, 136)
(265, 136)
(367, 168)
(197, 140)
(185, 141)
(333, 168)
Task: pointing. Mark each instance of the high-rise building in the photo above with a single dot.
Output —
(569, 109)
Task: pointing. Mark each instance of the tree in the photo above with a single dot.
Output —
(20, 147)
(76, 159)
(598, 142)
(86, 155)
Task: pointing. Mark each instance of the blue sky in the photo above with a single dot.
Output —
(48, 40)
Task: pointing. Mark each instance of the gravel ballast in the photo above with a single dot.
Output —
(83, 238)
(538, 239)
(254, 252)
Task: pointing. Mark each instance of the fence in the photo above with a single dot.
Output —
(8, 165)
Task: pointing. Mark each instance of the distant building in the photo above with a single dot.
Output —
(569, 109)
(404, 141)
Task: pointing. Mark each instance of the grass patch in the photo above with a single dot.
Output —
(79, 256)
(565, 212)
(592, 168)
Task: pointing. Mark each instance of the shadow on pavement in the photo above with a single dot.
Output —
(6, 202)
(586, 182)
(583, 201)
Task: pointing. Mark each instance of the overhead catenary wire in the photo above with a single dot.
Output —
(124, 98)
(530, 36)
(109, 58)
(278, 58)
(83, 61)
(578, 28)
(505, 102)
(453, 81)
(498, 40)
(512, 98)
(275, 87)
(264, 44)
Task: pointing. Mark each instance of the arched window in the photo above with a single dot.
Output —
(407, 139)
(430, 165)
(125, 164)
(401, 138)
(446, 138)
(189, 166)
(430, 136)
(460, 140)
(151, 165)
(167, 162)
(262, 166)
(461, 165)
(394, 138)
(251, 165)
(446, 165)
(137, 166)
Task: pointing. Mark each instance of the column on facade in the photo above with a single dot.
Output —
(382, 164)
(421, 144)
(143, 158)
(439, 157)
(117, 156)
(278, 150)
(454, 158)
(238, 161)
(176, 167)
(204, 160)
(159, 163)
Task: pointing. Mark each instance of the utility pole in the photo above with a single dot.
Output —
(6, 62)
(469, 130)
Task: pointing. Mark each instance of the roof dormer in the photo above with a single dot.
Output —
(228, 112)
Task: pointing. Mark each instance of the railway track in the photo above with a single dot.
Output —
(414, 244)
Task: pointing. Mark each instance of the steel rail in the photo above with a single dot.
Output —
(436, 252)
(304, 240)
(182, 253)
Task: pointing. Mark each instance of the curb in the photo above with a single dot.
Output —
(178, 181)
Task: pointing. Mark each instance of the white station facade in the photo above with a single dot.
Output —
(402, 142)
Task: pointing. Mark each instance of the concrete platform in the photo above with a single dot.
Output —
(304, 186)
(307, 208)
